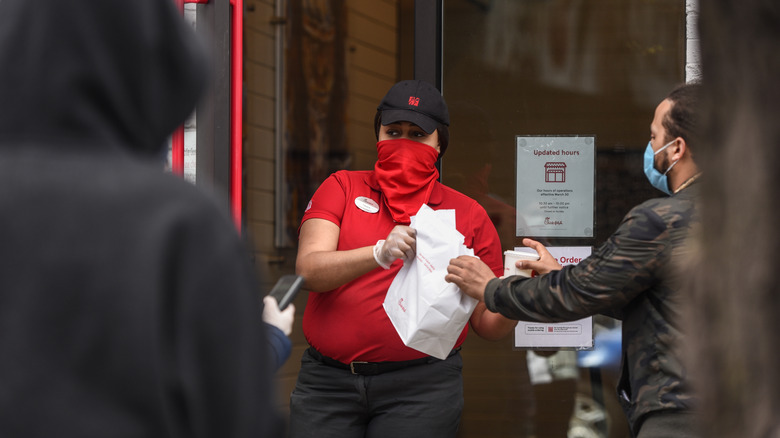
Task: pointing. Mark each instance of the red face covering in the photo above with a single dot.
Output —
(406, 172)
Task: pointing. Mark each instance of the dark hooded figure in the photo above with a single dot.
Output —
(128, 305)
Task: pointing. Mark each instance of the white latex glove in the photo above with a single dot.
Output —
(401, 243)
(283, 320)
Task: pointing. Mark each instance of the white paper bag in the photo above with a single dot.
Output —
(427, 312)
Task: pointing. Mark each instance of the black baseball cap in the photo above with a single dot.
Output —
(417, 102)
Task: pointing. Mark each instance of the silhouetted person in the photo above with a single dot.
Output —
(128, 304)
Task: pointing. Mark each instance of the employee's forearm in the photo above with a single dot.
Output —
(489, 325)
(326, 270)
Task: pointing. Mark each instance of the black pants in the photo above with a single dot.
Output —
(420, 401)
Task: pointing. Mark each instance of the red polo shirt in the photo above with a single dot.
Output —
(349, 322)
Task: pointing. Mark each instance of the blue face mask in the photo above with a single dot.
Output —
(656, 178)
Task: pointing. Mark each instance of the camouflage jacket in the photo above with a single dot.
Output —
(634, 276)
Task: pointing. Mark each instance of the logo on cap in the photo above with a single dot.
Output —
(414, 101)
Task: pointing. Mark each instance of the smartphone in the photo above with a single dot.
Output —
(286, 289)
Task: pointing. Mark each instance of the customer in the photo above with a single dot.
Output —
(128, 304)
(634, 276)
(358, 379)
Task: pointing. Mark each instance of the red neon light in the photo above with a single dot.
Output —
(177, 151)
(237, 62)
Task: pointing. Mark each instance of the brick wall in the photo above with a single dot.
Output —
(259, 128)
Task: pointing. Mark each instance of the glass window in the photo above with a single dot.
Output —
(552, 67)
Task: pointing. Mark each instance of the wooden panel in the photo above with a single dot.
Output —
(260, 205)
(365, 160)
(259, 79)
(258, 15)
(259, 64)
(382, 11)
(260, 174)
(260, 111)
(259, 47)
(262, 236)
(372, 33)
(369, 85)
(362, 56)
(259, 142)
(362, 144)
(361, 110)
(361, 136)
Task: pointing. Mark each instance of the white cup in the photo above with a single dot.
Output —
(510, 257)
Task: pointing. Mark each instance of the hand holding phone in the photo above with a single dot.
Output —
(283, 320)
(286, 289)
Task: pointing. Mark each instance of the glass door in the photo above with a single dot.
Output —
(552, 67)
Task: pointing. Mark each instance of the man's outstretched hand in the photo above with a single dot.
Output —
(470, 274)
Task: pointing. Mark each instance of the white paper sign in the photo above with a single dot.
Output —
(575, 334)
(555, 186)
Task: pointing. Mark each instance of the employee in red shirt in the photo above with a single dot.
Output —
(358, 379)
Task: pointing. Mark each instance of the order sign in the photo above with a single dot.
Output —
(555, 186)
(576, 335)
